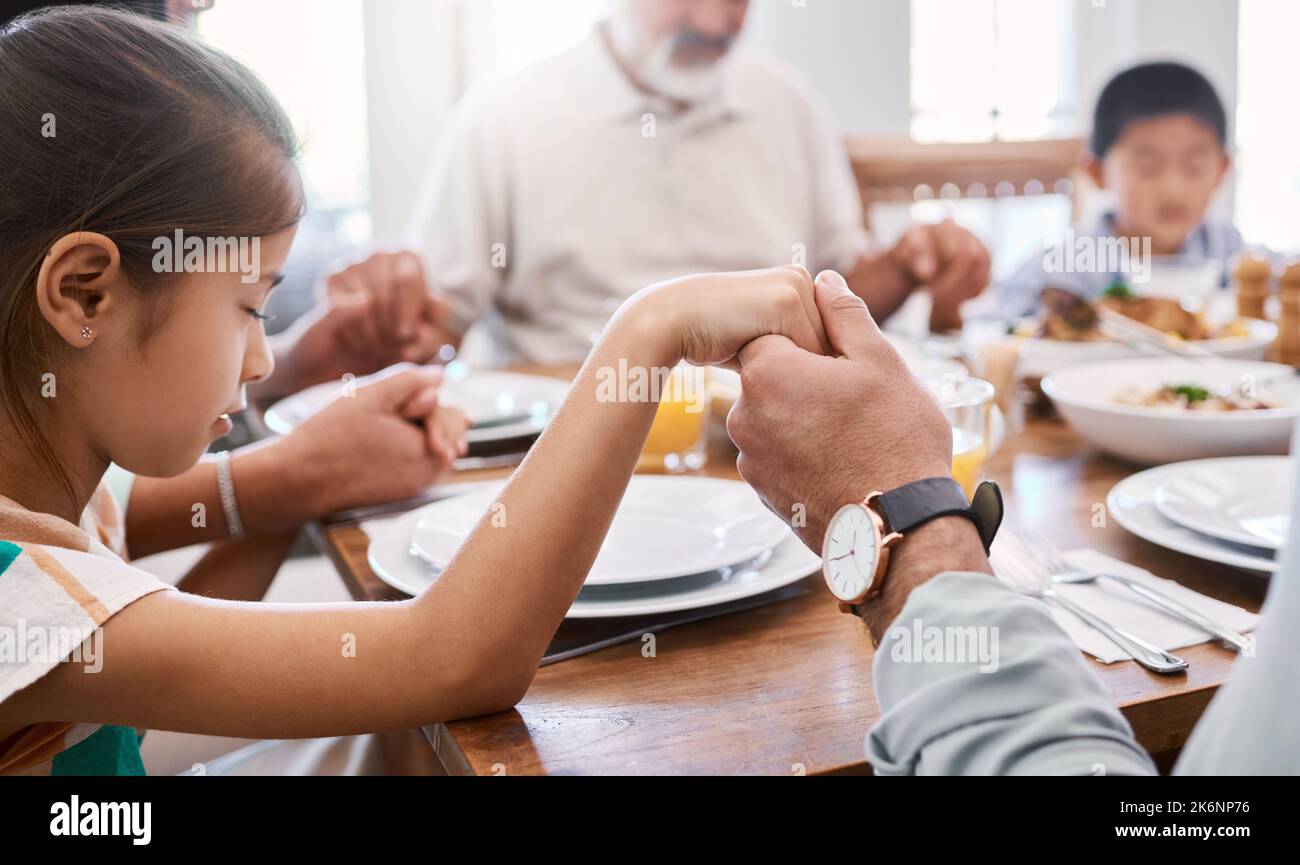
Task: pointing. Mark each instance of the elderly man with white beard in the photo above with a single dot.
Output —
(652, 149)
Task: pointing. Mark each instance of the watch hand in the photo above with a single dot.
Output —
(845, 556)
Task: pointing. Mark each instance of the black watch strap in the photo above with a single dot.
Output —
(916, 504)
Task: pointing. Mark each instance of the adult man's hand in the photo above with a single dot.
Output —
(816, 433)
(950, 261)
(375, 313)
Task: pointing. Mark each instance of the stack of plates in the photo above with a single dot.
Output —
(502, 405)
(676, 543)
(1235, 511)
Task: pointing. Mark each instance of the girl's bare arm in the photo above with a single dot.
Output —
(471, 643)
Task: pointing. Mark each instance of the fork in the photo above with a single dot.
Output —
(1062, 571)
(1148, 655)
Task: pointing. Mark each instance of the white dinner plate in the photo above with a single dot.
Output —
(665, 527)
(391, 560)
(1243, 500)
(502, 405)
(1132, 504)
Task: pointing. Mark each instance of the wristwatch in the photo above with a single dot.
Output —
(861, 535)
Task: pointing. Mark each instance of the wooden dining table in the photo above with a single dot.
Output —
(785, 688)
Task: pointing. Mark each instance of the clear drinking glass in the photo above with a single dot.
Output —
(968, 405)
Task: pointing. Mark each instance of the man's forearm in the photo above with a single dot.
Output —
(947, 544)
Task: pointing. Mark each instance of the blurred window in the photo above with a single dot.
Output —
(1268, 126)
(991, 69)
(312, 55)
(528, 30)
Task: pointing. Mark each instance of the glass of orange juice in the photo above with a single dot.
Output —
(968, 405)
(677, 440)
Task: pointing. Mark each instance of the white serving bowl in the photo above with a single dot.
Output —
(1180, 278)
(1040, 357)
(1086, 396)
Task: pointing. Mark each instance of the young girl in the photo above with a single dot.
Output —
(115, 132)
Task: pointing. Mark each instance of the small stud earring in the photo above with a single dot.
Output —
(86, 333)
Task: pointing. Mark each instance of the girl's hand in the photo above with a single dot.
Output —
(707, 319)
(444, 426)
(386, 442)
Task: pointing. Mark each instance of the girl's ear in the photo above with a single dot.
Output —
(79, 283)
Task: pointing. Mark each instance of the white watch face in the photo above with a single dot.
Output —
(849, 552)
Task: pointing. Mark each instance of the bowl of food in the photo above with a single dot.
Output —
(1069, 330)
(1159, 410)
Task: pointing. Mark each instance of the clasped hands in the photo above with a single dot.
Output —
(828, 410)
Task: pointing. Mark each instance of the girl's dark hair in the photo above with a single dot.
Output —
(116, 124)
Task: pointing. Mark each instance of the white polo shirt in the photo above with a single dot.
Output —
(560, 191)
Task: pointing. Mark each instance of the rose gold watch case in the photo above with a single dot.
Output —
(884, 540)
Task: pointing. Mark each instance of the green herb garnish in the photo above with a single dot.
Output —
(1192, 392)
(1118, 291)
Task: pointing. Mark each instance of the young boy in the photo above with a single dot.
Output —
(1158, 145)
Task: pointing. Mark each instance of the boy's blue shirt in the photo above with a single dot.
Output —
(1018, 296)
